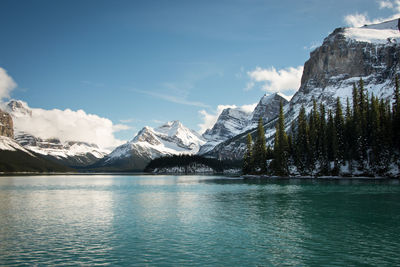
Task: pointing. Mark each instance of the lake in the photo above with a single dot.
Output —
(197, 220)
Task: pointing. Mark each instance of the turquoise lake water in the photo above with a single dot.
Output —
(197, 220)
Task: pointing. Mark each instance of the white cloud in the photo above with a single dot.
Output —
(394, 5)
(276, 80)
(209, 119)
(357, 20)
(385, 4)
(69, 125)
(7, 84)
(248, 108)
(157, 121)
(361, 19)
(312, 46)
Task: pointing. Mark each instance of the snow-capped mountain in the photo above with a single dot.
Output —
(70, 153)
(6, 125)
(169, 139)
(230, 122)
(267, 108)
(234, 121)
(16, 158)
(7, 143)
(371, 52)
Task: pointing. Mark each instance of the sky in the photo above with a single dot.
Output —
(129, 64)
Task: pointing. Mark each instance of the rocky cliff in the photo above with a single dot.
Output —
(267, 108)
(230, 122)
(234, 121)
(371, 52)
(346, 55)
(6, 125)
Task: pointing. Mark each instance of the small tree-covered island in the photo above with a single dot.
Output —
(363, 140)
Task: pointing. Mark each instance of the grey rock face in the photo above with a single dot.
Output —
(268, 108)
(230, 122)
(330, 72)
(17, 107)
(233, 122)
(6, 125)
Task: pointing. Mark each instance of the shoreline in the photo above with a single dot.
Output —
(267, 177)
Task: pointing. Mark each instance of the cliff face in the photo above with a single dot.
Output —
(371, 52)
(340, 57)
(345, 57)
(6, 125)
(267, 108)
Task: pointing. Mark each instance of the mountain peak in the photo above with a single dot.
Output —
(387, 32)
(393, 24)
(268, 107)
(18, 108)
(172, 124)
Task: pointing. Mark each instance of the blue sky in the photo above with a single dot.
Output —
(144, 62)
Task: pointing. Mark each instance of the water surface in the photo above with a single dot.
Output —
(197, 220)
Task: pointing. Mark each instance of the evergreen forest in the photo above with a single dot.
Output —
(355, 139)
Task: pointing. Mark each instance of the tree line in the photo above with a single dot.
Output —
(171, 161)
(361, 140)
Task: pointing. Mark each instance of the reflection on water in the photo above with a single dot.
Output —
(197, 220)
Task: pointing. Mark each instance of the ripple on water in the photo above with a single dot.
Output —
(197, 220)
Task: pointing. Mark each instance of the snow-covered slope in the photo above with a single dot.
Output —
(381, 33)
(169, 139)
(230, 122)
(7, 143)
(371, 52)
(71, 153)
(234, 121)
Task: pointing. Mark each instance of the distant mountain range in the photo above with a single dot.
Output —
(371, 52)
(171, 138)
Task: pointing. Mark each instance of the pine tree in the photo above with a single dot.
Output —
(323, 144)
(349, 136)
(260, 149)
(248, 156)
(356, 126)
(363, 141)
(302, 144)
(339, 126)
(332, 143)
(313, 126)
(375, 134)
(396, 115)
(281, 146)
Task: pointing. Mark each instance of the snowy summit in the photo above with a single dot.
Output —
(381, 33)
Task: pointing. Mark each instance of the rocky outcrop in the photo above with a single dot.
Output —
(340, 61)
(371, 52)
(268, 108)
(234, 121)
(230, 122)
(6, 125)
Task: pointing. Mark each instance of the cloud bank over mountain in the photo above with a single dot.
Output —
(7, 84)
